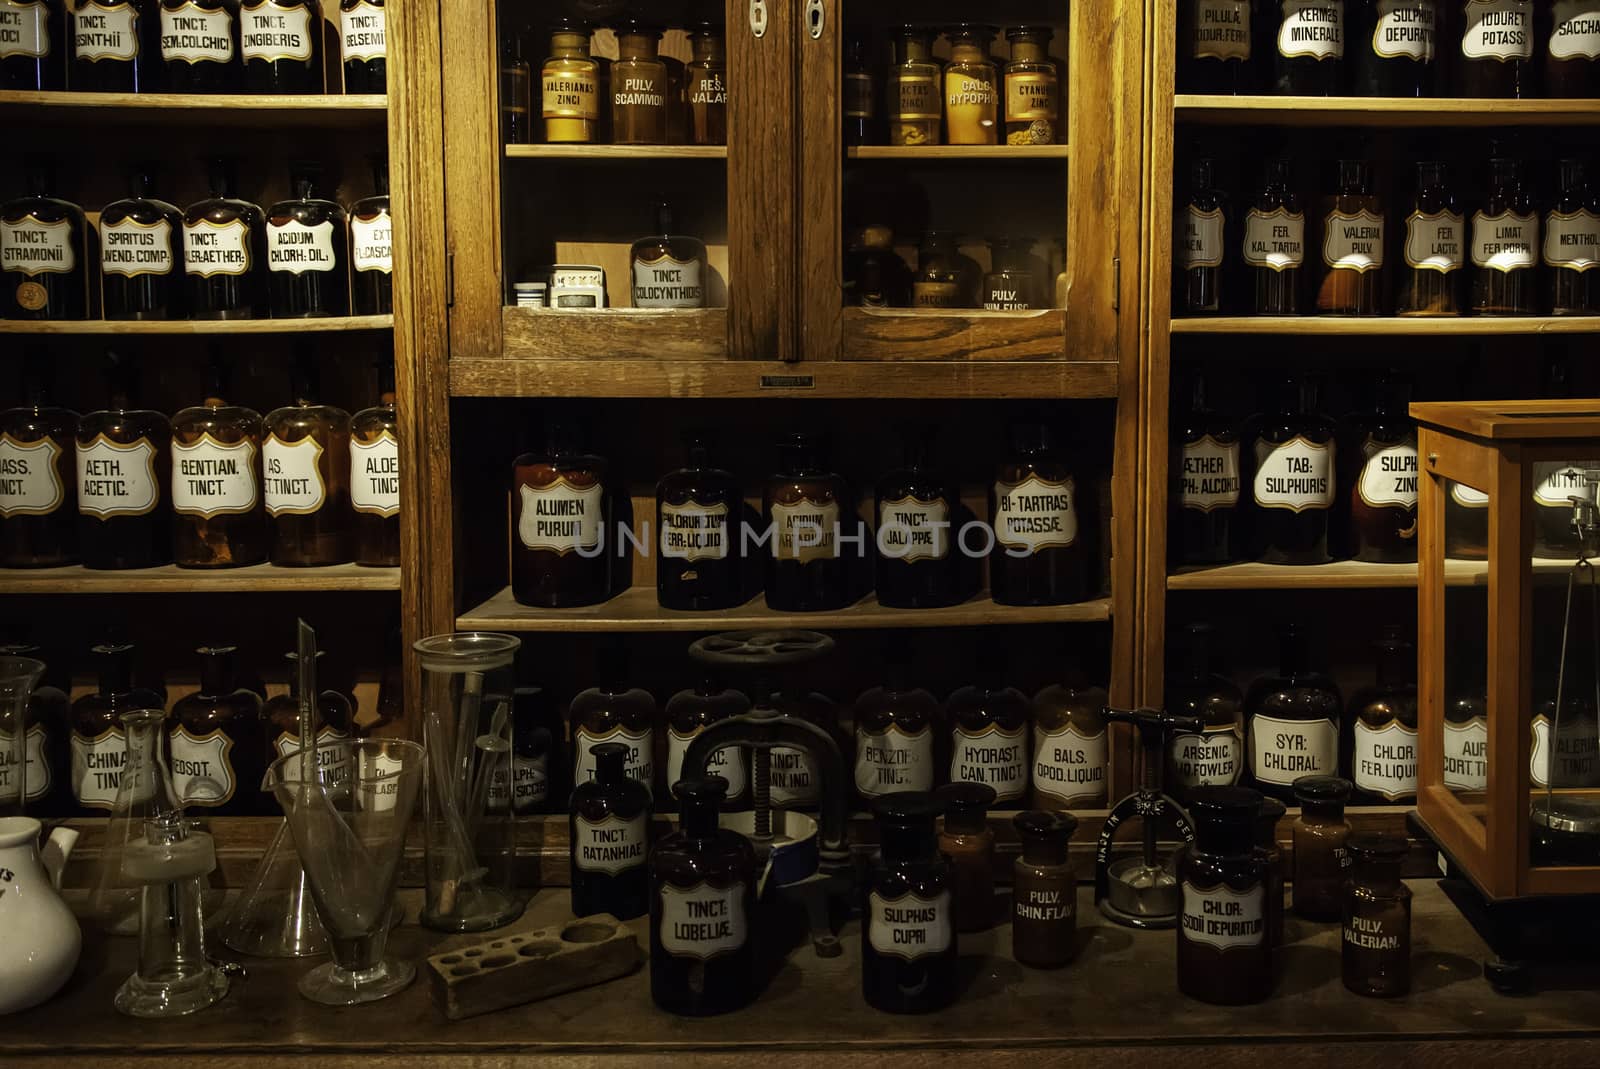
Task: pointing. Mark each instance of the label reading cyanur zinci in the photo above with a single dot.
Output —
(610, 846)
(210, 478)
(292, 479)
(1210, 474)
(641, 762)
(1034, 514)
(910, 926)
(1296, 475)
(24, 29)
(1221, 29)
(561, 517)
(1434, 241)
(1405, 30)
(911, 528)
(1353, 241)
(103, 31)
(1572, 240)
(1223, 918)
(894, 760)
(692, 531)
(201, 771)
(296, 248)
(270, 32)
(1275, 240)
(194, 34)
(216, 248)
(1210, 759)
(1200, 242)
(375, 475)
(1389, 476)
(372, 243)
(32, 247)
(1575, 30)
(993, 756)
(1312, 28)
(702, 921)
(1068, 765)
(1281, 751)
(1505, 242)
(1497, 29)
(361, 32)
(1466, 755)
(1385, 760)
(805, 530)
(129, 247)
(116, 479)
(30, 482)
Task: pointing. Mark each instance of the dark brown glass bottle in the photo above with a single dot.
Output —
(1039, 556)
(540, 775)
(1352, 246)
(1044, 891)
(516, 84)
(806, 509)
(33, 53)
(1494, 56)
(989, 735)
(610, 832)
(99, 746)
(1293, 486)
(613, 710)
(1266, 836)
(1071, 754)
(1375, 947)
(1216, 46)
(916, 507)
(1394, 46)
(280, 723)
(1319, 836)
(796, 779)
(874, 274)
(968, 842)
(116, 46)
(700, 513)
(1572, 52)
(1434, 249)
(44, 252)
(561, 513)
(1215, 756)
(1224, 942)
(668, 268)
(1505, 244)
(123, 466)
(141, 254)
(375, 476)
(372, 247)
(305, 461)
(219, 518)
(214, 741)
(308, 261)
(908, 939)
(1205, 473)
(1383, 761)
(862, 120)
(48, 725)
(1294, 720)
(224, 252)
(363, 46)
(1309, 57)
(38, 475)
(1572, 241)
(706, 88)
(896, 725)
(702, 910)
(1383, 497)
(1201, 228)
(200, 45)
(638, 86)
(688, 713)
(280, 42)
(1275, 243)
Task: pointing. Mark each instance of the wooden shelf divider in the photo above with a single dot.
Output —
(1378, 326)
(616, 152)
(1380, 111)
(635, 609)
(321, 325)
(170, 579)
(1338, 575)
(957, 152)
(196, 109)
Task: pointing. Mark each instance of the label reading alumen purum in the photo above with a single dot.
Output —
(1296, 475)
(210, 478)
(992, 756)
(1275, 240)
(30, 480)
(561, 517)
(1281, 751)
(1210, 475)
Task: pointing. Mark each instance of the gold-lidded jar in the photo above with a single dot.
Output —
(912, 92)
(1032, 91)
(570, 86)
(639, 89)
(938, 283)
(971, 94)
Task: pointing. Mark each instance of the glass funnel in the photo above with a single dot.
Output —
(144, 792)
(18, 677)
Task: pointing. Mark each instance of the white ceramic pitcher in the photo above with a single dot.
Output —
(39, 936)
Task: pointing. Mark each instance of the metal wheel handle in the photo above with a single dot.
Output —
(761, 649)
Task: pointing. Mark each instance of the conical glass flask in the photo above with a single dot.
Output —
(144, 791)
(18, 677)
(275, 917)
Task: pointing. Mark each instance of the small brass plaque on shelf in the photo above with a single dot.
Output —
(788, 382)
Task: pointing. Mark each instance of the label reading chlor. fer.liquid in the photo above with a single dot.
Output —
(909, 926)
(1312, 29)
(1281, 751)
(611, 846)
(1070, 766)
(993, 756)
(1221, 917)
(1384, 761)
(1296, 475)
(30, 481)
(702, 922)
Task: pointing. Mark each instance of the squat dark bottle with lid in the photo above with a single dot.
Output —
(806, 508)
(124, 464)
(1319, 836)
(33, 50)
(1293, 485)
(1044, 891)
(1495, 54)
(200, 45)
(916, 509)
(1375, 941)
(1309, 57)
(224, 251)
(43, 252)
(702, 909)
(38, 496)
(281, 44)
(116, 46)
(1224, 941)
(1205, 494)
(699, 513)
(1572, 240)
(1572, 53)
(1394, 46)
(1216, 46)
(609, 827)
(1505, 244)
(908, 939)
(141, 253)
(1202, 236)
(308, 261)
(560, 508)
(969, 844)
(1039, 556)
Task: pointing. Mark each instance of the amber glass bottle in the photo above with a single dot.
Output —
(1383, 761)
(281, 44)
(372, 247)
(1044, 891)
(639, 91)
(141, 254)
(1376, 941)
(940, 281)
(308, 259)
(363, 46)
(224, 252)
(610, 833)
(116, 46)
(1293, 486)
(99, 746)
(688, 713)
(1039, 556)
(896, 725)
(1505, 244)
(1275, 242)
(1572, 241)
(1205, 499)
(1201, 230)
(1070, 753)
(874, 274)
(33, 54)
(1495, 54)
(516, 84)
(1310, 38)
(1572, 53)
(1319, 836)
(969, 844)
(614, 711)
(1216, 46)
(38, 478)
(280, 722)
(200, 45)
(859, 93)
(971, 90)
(912, 93)
(1294, 720)
(806, 508)
(702, 910)
(1224, 943)
(123, 467)
(1383, 499)
(1435, 248)
(699, 512)
(707, 85)
(1009, 285)
(1352, 246)
(1394, 45)
(570, 86)
(214, 740)
(219, 518)
(1214, 757)
(561, 512)
(1268, 816)
(916, 507)
(44, 255)
(668, 268)
(1032, 95)
(48, 725)
(908, 939)
(375, 475)
(989, 734)
(306, 464)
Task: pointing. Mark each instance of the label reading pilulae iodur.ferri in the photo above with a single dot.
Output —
(292, 479)
(993, 756)
(30, 482)
(117, 479)
(1275, 240)
(1384, 761)
(894, 760)
(561, 517)
(1068, 765)
(702, 921)
(32, 247)
(1435, 241)
(1497, 29)
(1296, 475)
(1034, 514)
(1405, 29)
(210, 478)
(909, 926)
(1209, 759)
(1221, 29)
(1313, 29)
(375, 475)
(610, 846)
(1210, 474)
(194, 34)
(1281, 751)
(269, 32)
(129, 247)
(912, 528)
(1200, 242)
(1221, 917)
(1575, 30)
(692, 531)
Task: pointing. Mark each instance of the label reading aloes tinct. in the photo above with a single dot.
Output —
(375, 475)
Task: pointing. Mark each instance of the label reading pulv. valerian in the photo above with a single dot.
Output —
(909, 926)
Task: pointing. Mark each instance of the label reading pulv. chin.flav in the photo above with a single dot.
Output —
(993, 756)
(909, 926)
(30, 480)
(702, 921)
(1295, 475)
(1220, 917)
(1281, 751)
(1311, 29)
(1210, 477)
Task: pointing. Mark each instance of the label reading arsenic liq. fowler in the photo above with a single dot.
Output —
(1210, 759)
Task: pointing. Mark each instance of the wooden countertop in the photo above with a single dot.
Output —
(1118, 999)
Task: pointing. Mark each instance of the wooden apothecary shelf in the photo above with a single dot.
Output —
(114, 327)
(173, 109)
(913, 335)
(1380, 111)
(170, 579)
(616, 152)
(988, 153)
(1391, 326)
(1338, 575)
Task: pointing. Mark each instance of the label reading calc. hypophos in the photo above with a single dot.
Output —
(1435, 241)
(702, 921)
(32, 247)
(893, 760)
(610, 846)
(692, 531)
(269, 32)
(130, 248)
(1210, 476)
(993, 756)
(1505, 242)
(912, 528)
(372, 243)
(361, 32)
(1281, 751)
(1200, 237)
(1295, 475)
(375, 475)
(1069, 765)
(1221, 917)
(1500, 30)
(116, 478)
(1221, 30)
(1384, 760)
(561, 517)
(30, 480)
(909, 926)
(1275, 240)
(1312, 29)
(211, 478)
(295, 248)
(292, 476)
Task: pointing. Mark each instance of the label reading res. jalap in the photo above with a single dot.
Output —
(270, 31)
(1353, 241)
(1221, 917)
(361, 32)
(129, 247)
(1384, 761)
(994, 756)
(375, 475)
(668, 282)
(1434, 241)
(1200, 244)
(610, 846)
(805, 530)
(702, 921)
(295, 248)
(1572, 239)
(1389, 474)
(894, 760)
(1312, 29)
(216, 248)
(30, 481)
(201, 771)
(212, 478)
(1575, 30)
(1034, 514)
(1497, 29)
(909, 926)
(692, 531)
(911, 528)
(372, 242)
(1275, 240)
(1281, 751)
(1221, 30)
(116, 478)
(24, 29)
(1505, 242)
(1405, 29)
(105, 31)
(35, 766)
(561, 517)
(31, 247)
(1296, 475)
(1210, 476)
(194, 34)
(1068, 765)
(1209, 759)
(293, 483)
